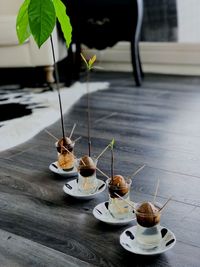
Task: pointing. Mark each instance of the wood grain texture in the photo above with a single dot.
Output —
(156, 124)
(17, 251)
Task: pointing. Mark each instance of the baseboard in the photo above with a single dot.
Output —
(166, 58)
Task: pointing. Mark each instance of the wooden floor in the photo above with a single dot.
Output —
(157, 124)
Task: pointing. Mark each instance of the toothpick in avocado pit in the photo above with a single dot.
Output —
(156, 192)
(105, 149)
(165, 204)
(62, 145)
(56, 139)
(126, 201)
(53, 136)
(72, 131)
(137, 171)
(89, 66)
(70, 136)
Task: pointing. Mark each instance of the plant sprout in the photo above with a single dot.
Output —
(89, 65)
(37, 18)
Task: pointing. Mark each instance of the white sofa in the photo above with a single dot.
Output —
(28, 54)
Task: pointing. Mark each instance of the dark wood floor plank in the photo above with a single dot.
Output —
(171, 117)
(13, 249)
(156, 124)
(164, 158)
(77, 233)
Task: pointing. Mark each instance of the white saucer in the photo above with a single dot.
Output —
(71, 188)
(54, 168)
(102, 213)
(127, 240)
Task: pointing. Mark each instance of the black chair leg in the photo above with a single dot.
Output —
(136, 63)
(141, 71)
(135, 56)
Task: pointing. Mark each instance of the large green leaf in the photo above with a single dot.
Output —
(22, 23)
(42, 19)
(63, 20)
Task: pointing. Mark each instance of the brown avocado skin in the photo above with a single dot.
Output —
(118, 185)
(147, 215)
(86, 166)
(67, 143)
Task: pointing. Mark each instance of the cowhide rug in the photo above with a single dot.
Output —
(25, 112)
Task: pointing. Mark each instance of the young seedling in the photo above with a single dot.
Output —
(38, 18)
(89, 65)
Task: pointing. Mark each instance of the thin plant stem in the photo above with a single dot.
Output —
(72, 131)
(156, 192)
(88, 114)
(57, 87)
(112, 163)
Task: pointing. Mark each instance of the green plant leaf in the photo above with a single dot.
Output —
(92, 60)
(22, 23)
(63, 20)
(84, 59)
(112, 143)
(42, 19)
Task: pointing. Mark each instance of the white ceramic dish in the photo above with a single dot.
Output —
(128, 242)
(54, 168)
(102, 213)
(71, 188)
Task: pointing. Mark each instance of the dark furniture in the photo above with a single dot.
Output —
(102, 23)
